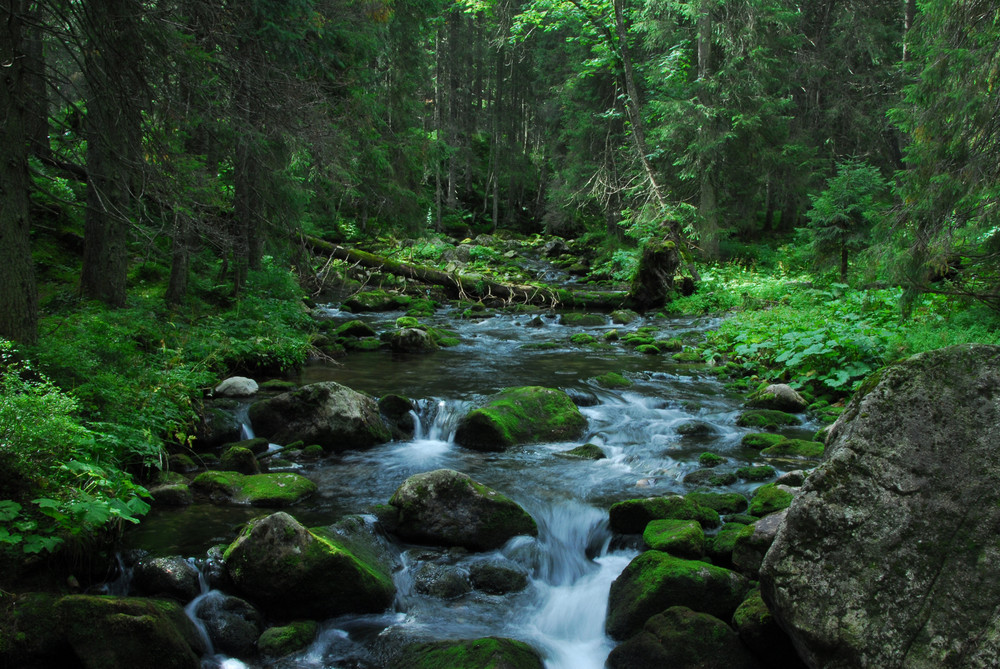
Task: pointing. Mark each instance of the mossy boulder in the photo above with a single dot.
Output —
(412, 340)
(329, 414)
(720, 545)
(710, 460)
(582, 320)
(110, 632)
(631, 516)
(357, 329)
(759, 631)
(295, 572)
(778, 396)
(722, 502)
(680, 638)
(766, 419)
(485, 653)
(655, 581)
(169, 576)
(756, 472)
(524, 415)
(753, 542)
(795, 448)
(376, 300)
(613, 380)
(272, 490)
(683, 538)
(286, 639)
(583, 339)
(448, 508)
(761, 440)
(497, 579)
(770, 498)
(171, 494)
(585, 452)
(232, 624)
(239, 459)
(623, 316)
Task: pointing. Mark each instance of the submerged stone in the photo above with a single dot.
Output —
(524, 415)
(286, 639)
(486, 653)
(585, 452)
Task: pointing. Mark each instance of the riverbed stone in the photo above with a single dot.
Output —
(497, 579)
(237, 386)
(752, 543)
(794, 448)
(631, 516)
(680, 638)
(485, 653)
(683, 538)
(412, 340)
(655, 581)
(109, 631)
(286, 639)
(766, 419)
(239, 459)
(888, 555)
(448, 508)
(295, 572)
(721, 502)
(171, 494)
(328, 413)
(273, 490)
(778, 396)
(233, 624)
(584, 452)
(170, 576)
(761, 440)
(441, 581)
(524, 415)
(770, 498)
(720, 545)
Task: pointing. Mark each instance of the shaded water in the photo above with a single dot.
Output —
(573, 561)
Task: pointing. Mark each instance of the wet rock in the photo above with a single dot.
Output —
(759, 631)
(236, 386)
(761, 440)
(632, 515)
(218, 424)
(257, 445)
(722, 502)
(329, 414)
(398, 410)
(778, 396)
(695, 428)
(680, 638)
(497, 579)
(792, 479)
(655, 581)
(766, 419)
(239, 459)
(486, 653)
(710, 477)
(448, 508)
(555, 248)
(524, 415)
(412, 340)
(683, 538)
(233, 624)
(289, 570)
(585, 452)
(287, 639)
(770, 498)
(273, 490)
(888, 554)
(171, 494)
(613, 380)
(623, 316)
(129, 632)
(441, 581)
(720, 546)
(357, 329)
(172, 577)
(577, 320)
(753, 542)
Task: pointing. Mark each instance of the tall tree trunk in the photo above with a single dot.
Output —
(37, 120)
(113, 129)
(18, 297)
(708, 216)
(909, 14)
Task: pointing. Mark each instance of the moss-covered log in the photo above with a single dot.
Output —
(474, 287)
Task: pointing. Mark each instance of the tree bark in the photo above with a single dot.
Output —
(18, 297)
(113, 129)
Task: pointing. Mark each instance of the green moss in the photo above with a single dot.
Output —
(355, 328)
(528, 414)
(486, 653)
(710, 459)
(273, 490)
(404, 322)
(755, 472)
(768, 499)
(582, 339)
(286, 639)
(673, 345)
(766, 419)
(721, 545)
(647, 349)
(683, 538)
(753, 611)
(585, 452)
(688, 356)
(760, 440)
(362, 345)
(582, 320)
(632, 515)
(613, 380)
(728, 502)
(795, 448)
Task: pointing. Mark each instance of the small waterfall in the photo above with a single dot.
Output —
(211, 660)
(436, 420)
(573, 572)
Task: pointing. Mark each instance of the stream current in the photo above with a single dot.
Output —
(574, 559)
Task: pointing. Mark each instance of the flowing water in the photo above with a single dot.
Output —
(574, 559)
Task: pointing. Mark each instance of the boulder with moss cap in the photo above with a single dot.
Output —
(524, 415)
(448, 508)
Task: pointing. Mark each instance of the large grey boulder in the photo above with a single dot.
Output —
(237, 386)
(329, 414)
(294, 572)
(448, 508)
(888, 556)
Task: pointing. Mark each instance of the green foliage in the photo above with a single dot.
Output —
(47, 449)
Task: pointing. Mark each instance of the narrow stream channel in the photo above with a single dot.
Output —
(573, 561)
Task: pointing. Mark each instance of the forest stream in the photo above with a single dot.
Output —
(575, 557)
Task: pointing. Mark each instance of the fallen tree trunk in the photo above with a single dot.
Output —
(475, 287)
